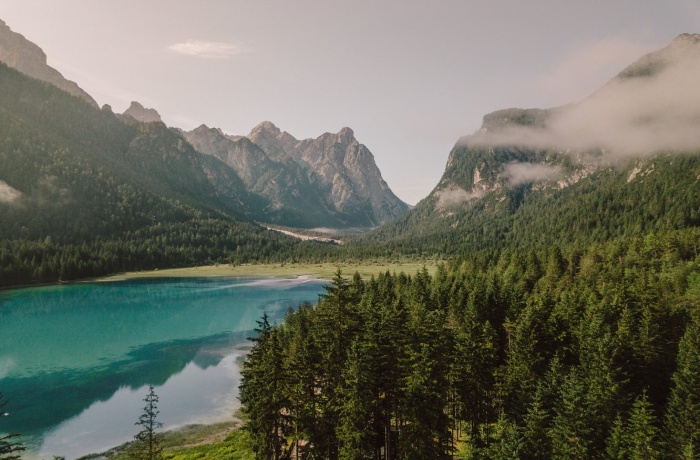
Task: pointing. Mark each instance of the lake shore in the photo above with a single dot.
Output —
(318, 271)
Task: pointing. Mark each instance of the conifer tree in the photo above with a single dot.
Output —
(642, 432)
(148, 443)
(261, 392)
(683, 413)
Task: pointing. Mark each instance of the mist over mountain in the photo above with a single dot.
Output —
(652, 106)
(624, 160)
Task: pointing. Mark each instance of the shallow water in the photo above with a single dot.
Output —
(76, 360)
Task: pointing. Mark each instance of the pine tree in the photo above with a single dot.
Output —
(683, 413)
(148, 443)
(642, 432)
(261, 392)
(571, 429)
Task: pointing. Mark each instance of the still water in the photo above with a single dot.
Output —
(76, 360)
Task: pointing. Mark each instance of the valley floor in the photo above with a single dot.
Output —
(319, 271)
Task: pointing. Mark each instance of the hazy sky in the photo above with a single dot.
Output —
(409, 77)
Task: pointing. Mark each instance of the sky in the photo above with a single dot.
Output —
(409, 77)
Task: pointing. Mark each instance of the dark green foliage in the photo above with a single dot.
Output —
(556, 353)
(10, 445)
(608, 203)
(261, 392)
(683, 416)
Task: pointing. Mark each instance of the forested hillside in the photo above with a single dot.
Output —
(552, 353)
(635, 197)
(85, 193)
(625, 161)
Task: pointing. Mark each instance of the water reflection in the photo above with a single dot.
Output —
(74, 359)
(194, 395)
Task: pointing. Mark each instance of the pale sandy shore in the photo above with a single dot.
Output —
(321, 271)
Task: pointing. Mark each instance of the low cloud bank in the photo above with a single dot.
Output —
(454, 196)
(8, 194)
(653, 108)
(524, 173)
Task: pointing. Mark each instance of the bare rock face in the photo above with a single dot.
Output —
(342, 169)
(142, 114)
(333, 180)
(21, 54)
(246, 158)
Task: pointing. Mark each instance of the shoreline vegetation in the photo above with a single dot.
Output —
(201, 441)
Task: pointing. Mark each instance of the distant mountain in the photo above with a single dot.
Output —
(23, 55)
(282, 190)
(331, 181)
(142, 114)
(85, 192)
(624, 161)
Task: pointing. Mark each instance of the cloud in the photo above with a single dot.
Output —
(524, 173)
(8, 194)
(589, 64)
(208, 50)
(454, 195)
(656, 108)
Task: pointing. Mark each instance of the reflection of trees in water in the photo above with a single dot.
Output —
(43, 401)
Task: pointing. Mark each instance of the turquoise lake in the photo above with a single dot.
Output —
(76, 360)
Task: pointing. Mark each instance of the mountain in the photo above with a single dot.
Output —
(624, 161)
(85, 192)
(142, 114)
(23, 55)
(330, 181)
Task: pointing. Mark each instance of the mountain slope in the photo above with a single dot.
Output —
(23, 55)
(624, 161)
(283, 193)
(341, 168)
(84, 193)
(331, 181)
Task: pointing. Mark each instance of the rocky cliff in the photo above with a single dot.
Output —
(142, 114)
(341, 168)
(332, 180)
(21, 54)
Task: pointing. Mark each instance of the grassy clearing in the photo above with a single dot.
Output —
(216, 441)
(321, 271)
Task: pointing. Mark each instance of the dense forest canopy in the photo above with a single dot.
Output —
(552, 353)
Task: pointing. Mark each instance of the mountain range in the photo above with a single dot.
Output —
(270, 177)
(76, 180)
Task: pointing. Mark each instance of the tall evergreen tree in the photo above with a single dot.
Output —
(148, 443)
(261, 392)
(642, 431)
(683, 413)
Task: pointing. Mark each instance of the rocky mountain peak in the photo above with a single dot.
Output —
(142, 114)
(346, 136)
(692, 39)
(683, 47)
(265, 127)
(21, 54)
